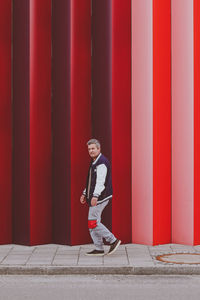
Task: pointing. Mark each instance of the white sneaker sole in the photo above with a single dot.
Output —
(119, 242)
(100, 254)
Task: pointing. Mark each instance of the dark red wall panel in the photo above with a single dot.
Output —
(102, 82)
(102, 73)
(21, 166)
(61, 28)
(161, 122)
(121, 119)
(5, 123)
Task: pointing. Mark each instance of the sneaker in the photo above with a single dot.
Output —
(114, 246)
(95, 253)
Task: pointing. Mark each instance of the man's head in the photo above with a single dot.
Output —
(94, 148)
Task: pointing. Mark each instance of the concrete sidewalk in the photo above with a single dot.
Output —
(58, 259)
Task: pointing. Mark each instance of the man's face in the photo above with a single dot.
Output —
(93, 151)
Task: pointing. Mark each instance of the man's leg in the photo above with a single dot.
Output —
(97, 230)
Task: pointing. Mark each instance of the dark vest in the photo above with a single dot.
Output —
(91, 181)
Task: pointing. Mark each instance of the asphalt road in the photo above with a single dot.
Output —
(99, 287)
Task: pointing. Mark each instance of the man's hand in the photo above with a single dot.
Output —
(94, 201)
(82, 199)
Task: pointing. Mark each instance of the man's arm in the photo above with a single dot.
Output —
(100, 181)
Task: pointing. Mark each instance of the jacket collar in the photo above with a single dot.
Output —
(94, 162)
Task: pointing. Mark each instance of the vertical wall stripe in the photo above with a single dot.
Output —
(142, 122)
(80, 111)
(61, 17)
(121, 119)
(182, 122)
(196, 122)
(102, 82)
(5, 123)
(161, 121)
(40, 122)
(21, 132)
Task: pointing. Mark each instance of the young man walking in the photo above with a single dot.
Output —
(97, 194)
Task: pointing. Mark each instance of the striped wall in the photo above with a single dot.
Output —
(126, 72)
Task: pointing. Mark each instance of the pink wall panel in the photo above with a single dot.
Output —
(5, 123)
(142, 122)
(121, 119)
(196, 122)
(182, 122)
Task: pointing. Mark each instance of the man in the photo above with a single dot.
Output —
(97, 194)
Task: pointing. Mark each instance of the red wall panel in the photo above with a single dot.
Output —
(21, 166)
(161, 122)
(40, 122)
(32, 213)
(121, 119)
(80, 108)
(5, 123)
(61, 28)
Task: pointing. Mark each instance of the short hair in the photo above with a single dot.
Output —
(94, 141)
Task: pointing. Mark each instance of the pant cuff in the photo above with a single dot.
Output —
(100, 249)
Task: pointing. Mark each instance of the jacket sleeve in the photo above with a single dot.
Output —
(84, 192)
(100, 181)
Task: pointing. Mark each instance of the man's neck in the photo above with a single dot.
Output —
(94, 158)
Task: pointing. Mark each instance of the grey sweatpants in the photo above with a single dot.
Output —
(100, 231)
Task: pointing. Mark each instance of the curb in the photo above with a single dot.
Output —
(68, 270)
(167, 270)
(93, 270)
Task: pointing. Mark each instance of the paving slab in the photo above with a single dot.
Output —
(65, 261)
(86, 260)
